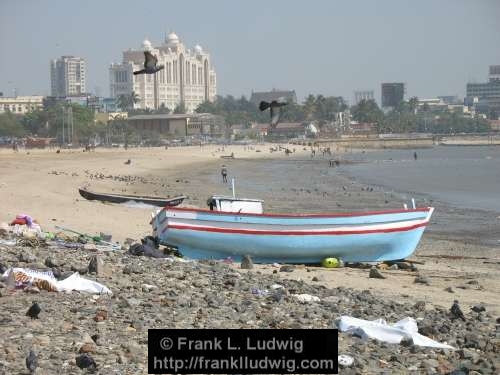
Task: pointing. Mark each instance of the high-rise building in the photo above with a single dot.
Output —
(495, 73)
(67, 76)
(392, 94)
(363, 95)
(487, 93)
(188, 76)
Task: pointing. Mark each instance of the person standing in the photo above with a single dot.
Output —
(223, 172)
(415, 155)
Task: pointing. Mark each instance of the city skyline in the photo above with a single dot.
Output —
(329, 48)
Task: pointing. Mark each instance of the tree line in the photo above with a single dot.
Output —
(322, 110)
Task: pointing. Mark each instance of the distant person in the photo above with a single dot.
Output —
(415, 155)
(223, 172)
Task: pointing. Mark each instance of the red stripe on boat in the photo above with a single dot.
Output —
(294, 233)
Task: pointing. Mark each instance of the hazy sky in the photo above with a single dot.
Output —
(328, 47)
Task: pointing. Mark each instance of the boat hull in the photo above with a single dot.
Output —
(293, 238)
(117, 198)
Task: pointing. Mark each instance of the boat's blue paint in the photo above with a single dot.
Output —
(295, 249)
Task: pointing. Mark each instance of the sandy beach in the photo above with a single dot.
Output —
(43, 184)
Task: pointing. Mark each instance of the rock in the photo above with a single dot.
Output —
(422, 280)
(51, 263)
(375, 274)
(148, 287)
(26, 257)
(82, 270)
(246, 263)
(97, 266)
(478, 308)
(87, 348)
(419, 306)
(404, 265)
(449, 290)
(286, 268)
(394, 267)
(101, 315)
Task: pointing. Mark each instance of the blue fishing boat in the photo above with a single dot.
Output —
(287, 238)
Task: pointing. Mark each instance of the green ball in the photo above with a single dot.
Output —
(330, 262)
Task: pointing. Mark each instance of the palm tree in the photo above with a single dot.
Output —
(126, 102)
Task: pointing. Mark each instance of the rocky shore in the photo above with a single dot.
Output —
(171, 293)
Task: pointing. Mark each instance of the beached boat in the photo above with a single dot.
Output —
(284, 238)
(122, 198)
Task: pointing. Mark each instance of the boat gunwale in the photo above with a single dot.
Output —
(313, 215)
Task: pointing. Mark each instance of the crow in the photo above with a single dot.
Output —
(128, 161)
(31, 362)
(85, 361)
(34, 310)
(150, 66)
(275, 108)
(456, 311)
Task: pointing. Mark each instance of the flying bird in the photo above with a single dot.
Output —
(456, 311)
(34, 310)
(85, 361)
(31, 362)
(150, 66)
(275, 108)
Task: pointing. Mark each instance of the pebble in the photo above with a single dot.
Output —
(422, 280)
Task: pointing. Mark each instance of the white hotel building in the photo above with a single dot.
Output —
(188, 76)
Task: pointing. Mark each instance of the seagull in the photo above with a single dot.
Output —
(85, 361)
(33, 311)
(31, 362)
(149, 64)
(275, 107)
(456, 311)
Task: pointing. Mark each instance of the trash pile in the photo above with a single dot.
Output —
(24, 278)
(26, 231)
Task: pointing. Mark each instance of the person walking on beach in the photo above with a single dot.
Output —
(223, 172)
(415, 155)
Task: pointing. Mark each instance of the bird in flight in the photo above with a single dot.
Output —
(275, 109)
(150, 66)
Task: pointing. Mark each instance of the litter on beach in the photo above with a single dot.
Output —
(393, 334)
(24, 277)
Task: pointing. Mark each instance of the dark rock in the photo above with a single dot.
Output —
(375, 274)
(51, 263)
(246, 263)
(449, 290)
(478, 308)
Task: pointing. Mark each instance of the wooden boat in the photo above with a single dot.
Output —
(122, 198)
(302, 238)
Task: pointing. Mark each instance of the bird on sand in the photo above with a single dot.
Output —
(150, 66)
(128, 161)
(31, 362)
(275, 109)
(85, 361)
(34, 310)
(456, 311)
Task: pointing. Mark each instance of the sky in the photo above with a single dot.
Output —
(317, 46)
